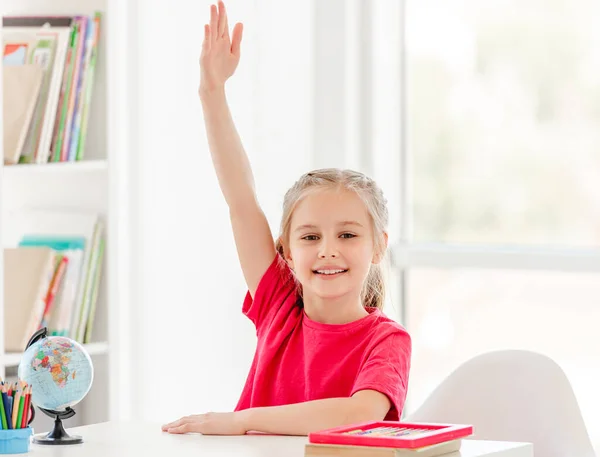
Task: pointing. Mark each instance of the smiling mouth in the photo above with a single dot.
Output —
(329, 272)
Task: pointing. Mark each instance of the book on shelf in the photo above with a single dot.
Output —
(49, 117)
(52, 274)
(28, 274)
(21, 86)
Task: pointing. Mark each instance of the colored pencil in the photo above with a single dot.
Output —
(15, 409)
(25, 421)
(9, 411)
(20, 411)
(15, 405)
(4, 424)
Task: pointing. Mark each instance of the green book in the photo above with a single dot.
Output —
(87, 335)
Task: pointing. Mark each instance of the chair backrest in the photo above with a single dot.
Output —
(512, 395)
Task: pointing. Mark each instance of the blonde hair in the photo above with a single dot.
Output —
(373, 292)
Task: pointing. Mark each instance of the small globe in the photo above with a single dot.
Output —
(59, 370)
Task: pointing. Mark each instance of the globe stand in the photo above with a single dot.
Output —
(58, 435)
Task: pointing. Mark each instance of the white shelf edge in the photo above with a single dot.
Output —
(12, 359)
(81, 165)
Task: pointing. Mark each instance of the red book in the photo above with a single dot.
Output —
(59, 274)
(391, 434)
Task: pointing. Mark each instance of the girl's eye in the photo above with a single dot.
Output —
(347, 235)
(310, 237)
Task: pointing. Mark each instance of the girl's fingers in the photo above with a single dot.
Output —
(236, 39)
(226, 31)
(171, 425)
(181, 429)
(206, 42)
(222, 19)
(182, 421)
(186, 424)
(213, 23)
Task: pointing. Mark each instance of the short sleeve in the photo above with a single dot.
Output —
(386, 370)
(276, 290)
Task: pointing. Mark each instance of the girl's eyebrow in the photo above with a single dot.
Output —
(342, 224)
(356, 223)
(304, 227)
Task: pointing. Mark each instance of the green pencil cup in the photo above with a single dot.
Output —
(15, 441)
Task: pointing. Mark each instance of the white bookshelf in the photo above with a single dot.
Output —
(96, 183)
(56, 167)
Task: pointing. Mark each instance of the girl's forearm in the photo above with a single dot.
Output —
(229, 158)
(303, 418)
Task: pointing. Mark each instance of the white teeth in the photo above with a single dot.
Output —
(329, 272)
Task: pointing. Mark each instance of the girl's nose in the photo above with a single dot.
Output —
(328, 250)
(324, 256)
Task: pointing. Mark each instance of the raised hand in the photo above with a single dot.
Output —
(220, 53)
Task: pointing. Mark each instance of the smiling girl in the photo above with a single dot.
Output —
(326, 353)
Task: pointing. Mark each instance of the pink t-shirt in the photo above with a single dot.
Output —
(298, 359)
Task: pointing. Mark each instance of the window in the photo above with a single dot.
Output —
(503, 104)
(486, 133)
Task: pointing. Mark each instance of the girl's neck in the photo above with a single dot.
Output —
(339, 310)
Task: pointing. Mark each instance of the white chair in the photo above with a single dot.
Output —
(512, 395)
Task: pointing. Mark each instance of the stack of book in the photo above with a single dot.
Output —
(48, 76)
(52, 276)
(387, 439)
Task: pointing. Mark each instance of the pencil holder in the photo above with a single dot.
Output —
(15, 441)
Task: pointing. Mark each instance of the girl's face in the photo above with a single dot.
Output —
(331, 244)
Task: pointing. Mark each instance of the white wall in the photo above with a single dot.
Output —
(190, 335)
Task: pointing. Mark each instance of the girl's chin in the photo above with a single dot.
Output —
(330, 291)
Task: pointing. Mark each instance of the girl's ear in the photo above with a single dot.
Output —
(285, 253)
(288, 258)
(378, 256)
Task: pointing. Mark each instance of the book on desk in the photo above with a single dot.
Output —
(387, 439)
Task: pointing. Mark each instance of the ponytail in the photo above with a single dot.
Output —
(373, 294)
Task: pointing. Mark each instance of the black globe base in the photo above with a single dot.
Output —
(58, 436)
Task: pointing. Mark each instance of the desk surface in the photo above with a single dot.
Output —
(114, 438)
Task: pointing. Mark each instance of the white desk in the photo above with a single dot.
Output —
(129, 439)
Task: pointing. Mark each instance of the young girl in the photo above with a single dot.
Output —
(326, 355)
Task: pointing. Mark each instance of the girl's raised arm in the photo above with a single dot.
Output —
(219, 59)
